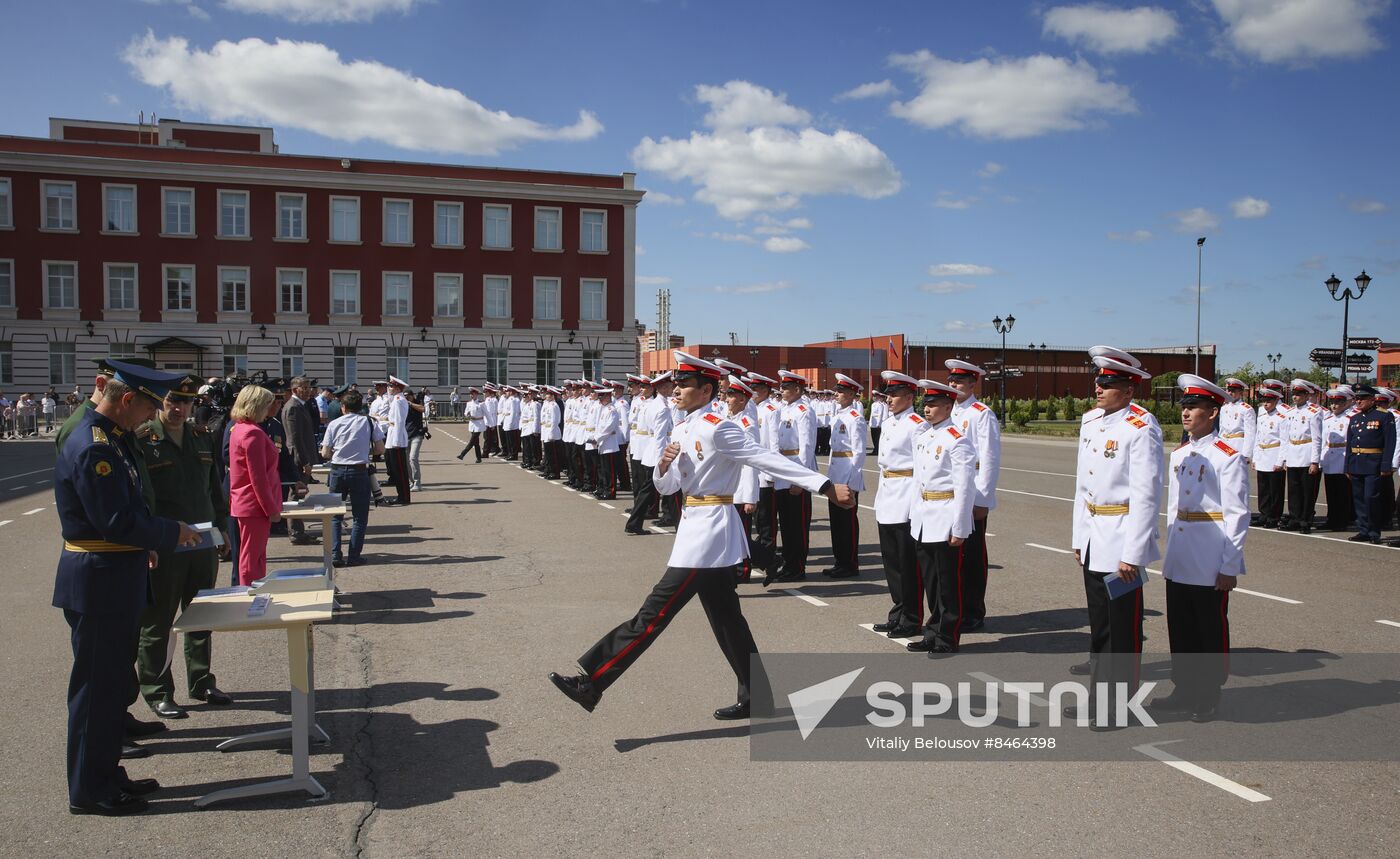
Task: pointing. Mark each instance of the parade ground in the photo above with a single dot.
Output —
(446, 739)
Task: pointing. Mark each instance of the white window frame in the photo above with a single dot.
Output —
(131, 313)
(486, 226)
(291, 317)
(439, 318)
(597, 324)
(244, 315)
(359, 220)
(559, 231)
(9, 305)
(289, 372)
(384, 223)
(277, 204)
(453, 361)
(488, 321)
(583, 224)
(338, 354)
(461, 224)
(555, 321)
(164, 214)
(73, 351)
(392, 367)
(178, 313)
(7, 211)
(135, 221)
(247, 233)
(76, 300)
(227, 351)
(44, 206)
(359, 295)
(385, 317)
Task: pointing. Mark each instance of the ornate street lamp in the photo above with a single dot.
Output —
(1332, 283)
(1003, 327)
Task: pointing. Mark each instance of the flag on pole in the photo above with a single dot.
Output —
(893, 354)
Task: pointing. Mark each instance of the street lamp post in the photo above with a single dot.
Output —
(1200, 245)
(1363, 280)
(1273, 360)
(1037, 350)
(1003, 327)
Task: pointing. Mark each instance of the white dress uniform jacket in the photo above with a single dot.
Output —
(589, 431)
(549, 421)
(973, 418)
(848, 435)
(1334, 443)
(475, 414)
(1303, 437)
(637, 435)
(657, 419)
(895, 494)
(1207, 512)
(606, 436)
(747, 493)
(1117, 490)
(945, 477)
(1268, 441)
(510, 413)
(767, 432)
(491, 407)
(396, 425)
(797, 437)
(1238, 425)
(713, 453)
(879, 411)
(529, 418)
(622, 409)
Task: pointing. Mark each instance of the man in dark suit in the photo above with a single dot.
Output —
(299, 420)
(1370, 451)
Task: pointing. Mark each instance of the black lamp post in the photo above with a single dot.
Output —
(1363, 280)
(1273, 359)
(1037, 350)
(1003, 327)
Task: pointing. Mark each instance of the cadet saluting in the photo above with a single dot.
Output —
(102, 583)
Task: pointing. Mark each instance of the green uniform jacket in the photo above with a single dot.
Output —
(148, 492)
(184, 477)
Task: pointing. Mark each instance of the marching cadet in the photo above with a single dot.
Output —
(738, 397)
(894, 503)
(1302, 452)
(475, 413)
(765, 515)
(1207, 520)
(1118, 483)
(847, 465)
(1268, 458)
(1334, 459)
(797, 440)
(1238, 419)
(187, 483)
(1370, 458)
(605, 438)
(703, 461)
(879, 411)
(941, 519)
(974, 419)
(102, 581)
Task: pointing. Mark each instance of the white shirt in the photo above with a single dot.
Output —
(796, 430)
(895, 494)
(1238, 424)
(549, 421)
(945, 464)
(657, 419)
(350, 438)
(767, 412)
(1268, 441)
(747, 493)
(1207, 476)
(529, 415)
(510, 413)
(974, 419)
(475, 412)
(638, 436)
(1120, 465)
(605, 433)
(847, 462)
(396, 427)
(1302, 437)
(1334, 443)
(490, 408)
(879, 411)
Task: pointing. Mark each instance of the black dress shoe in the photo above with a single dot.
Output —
(791, 577)
(1173, 703)
(941, 649)
(1082, 669)
(1201, 715)
(923, 645)
(905, 632)
(130, 750)
(733, 711)
(974, 625)
(140, 786)
(119, 806)
(1288, 526)
(1306, 529)
(169, 710)
(137, 728)
(578, 688)
(214, 696)
(841, 573)
(1359, 538)
(884, 627)
(636, 531)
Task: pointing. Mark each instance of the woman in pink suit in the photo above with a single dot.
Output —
(255, 487)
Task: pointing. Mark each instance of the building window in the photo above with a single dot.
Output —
(233, 214)
(179, 287)
(398, 294)
(546, 298)
(398, 222)
(7, 217)
(235, 359)
(396, 361)
(119, 208)
(179, 211)
(60, 205)
(496, 227)
(497, 360)
(345, 293)
(546, 367)
(121, 351)
(497, 302)
(447, 224)
(7, 283)
(291, 290)
(593, 364)
(593, 236)
(63, 364)
(593, 302)
(61, 285)
(7, 363)
(344, 369)
(448, 362)
(291, 216)
(448, 295)
(121, 287)
(547, 235)
(345, 219)
(233, 290)
(293, 364)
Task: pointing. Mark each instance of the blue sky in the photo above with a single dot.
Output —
(816, 166)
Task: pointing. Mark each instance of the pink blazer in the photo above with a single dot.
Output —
(254, 485)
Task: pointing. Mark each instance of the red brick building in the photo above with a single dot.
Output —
(205, 248)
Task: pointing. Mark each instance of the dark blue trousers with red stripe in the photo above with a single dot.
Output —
(615, 652)
(1198, 627)
(945, 583)
(795, 525)
(1115, 630)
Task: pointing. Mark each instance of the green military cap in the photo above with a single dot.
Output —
(186, 388)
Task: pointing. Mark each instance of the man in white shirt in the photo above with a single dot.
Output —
(349, 443)
(396, 440)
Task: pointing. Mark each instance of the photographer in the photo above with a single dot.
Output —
(417, 425)
(350, 441)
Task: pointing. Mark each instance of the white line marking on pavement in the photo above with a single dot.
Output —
(26, 474)
(35, 510)
(871, 627)
(1246, 591)
(610, 507)
(4, 522)
(800, 595)
(1386, 622)
(1202, 773)
(987, 678)
(1035, 495)
(657, 529)
(1051, 549)
(18, 486)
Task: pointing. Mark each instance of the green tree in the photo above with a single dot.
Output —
(1248, 373)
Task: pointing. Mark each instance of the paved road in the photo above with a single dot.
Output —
(447, 740)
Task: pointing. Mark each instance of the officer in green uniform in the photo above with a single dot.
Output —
(186, 481)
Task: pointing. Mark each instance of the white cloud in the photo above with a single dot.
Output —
(960, 269)
(949, 200)
(112, 98)
(1135, 237)
(740, 238)
(1283, 31)
(661, 198)
(321, 11)
(947, 287)
(961, 325)
(770, 226)
(1008, 98)
(990, 169)
(784, 244)
(878, 89)
(743, 170)
(189, 5)
(1197, 220)
(647, 280)
(1250, 207)
(306, 85)
(754, 288)
(641, 251)
(1368, 207)
(1109, 30)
